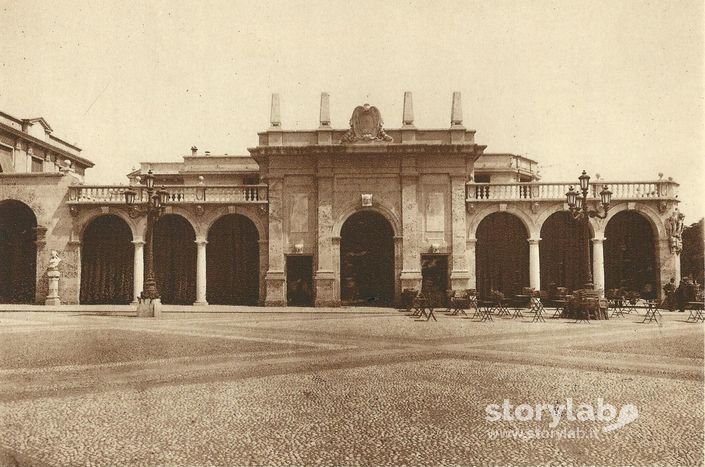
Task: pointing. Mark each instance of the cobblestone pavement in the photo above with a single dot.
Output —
(346, 388)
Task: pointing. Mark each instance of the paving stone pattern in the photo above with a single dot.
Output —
(374, 388)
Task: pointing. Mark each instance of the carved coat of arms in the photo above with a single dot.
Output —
(366, 126)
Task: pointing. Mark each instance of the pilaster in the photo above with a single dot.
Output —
(325, 277)
(275, 279)
(459, 274)
(411, 262)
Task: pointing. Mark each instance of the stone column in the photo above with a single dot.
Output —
(459, 275)
(325, 277)
(138, 269)
(411, 262)
(534, 264)
(471, 261)
(598, 264)
(275, 279)
(201, 275)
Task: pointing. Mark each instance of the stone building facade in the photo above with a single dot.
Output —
(342, 216)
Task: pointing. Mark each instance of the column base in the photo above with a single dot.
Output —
(410, 280)
(325, 289)
(52, 301)
(149, 308)
(327, 303)
(275, 289)
(203, 303)
(459, 280)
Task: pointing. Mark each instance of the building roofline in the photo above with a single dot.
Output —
(44, 144)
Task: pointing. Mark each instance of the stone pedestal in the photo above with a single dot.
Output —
(149, 308)
(53, 292)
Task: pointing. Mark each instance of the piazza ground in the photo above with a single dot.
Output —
(347, 386)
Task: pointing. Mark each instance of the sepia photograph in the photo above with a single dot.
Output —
(402, 233)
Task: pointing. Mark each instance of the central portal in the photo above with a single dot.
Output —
(367, 260)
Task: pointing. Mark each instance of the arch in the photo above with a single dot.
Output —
(107, 255)
(630, 254)
(565, 253)
(541, 220)
(650, 214)
(233, 263)
(18, 252)
(217, 214)
(175, 259)
(367, 259)
(85, 218)
(476, 220)
(381, 209)
(502, 254)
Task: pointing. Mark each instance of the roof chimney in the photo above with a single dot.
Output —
(456, 113)
(325, 110)
(274, 115)
(194, 150)
(408, 118)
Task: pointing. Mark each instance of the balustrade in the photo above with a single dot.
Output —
(178, 194)
(537, 191)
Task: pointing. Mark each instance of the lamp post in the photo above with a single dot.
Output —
(580, 210)
(153, 207)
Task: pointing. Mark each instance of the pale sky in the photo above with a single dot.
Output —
(614, 87)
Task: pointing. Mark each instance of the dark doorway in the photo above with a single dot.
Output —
(18, 253)
(107, 260)
(565, 253)
(299, 283)
(434, 278)
(367, 260)
(233, 262)
(630, 255)
(502, 255)
(175, 260)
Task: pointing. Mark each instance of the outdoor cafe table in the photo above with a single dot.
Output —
(560, 308)
(696, 312)
(484, 308)
(501, 306)
(538, 317)
(519, 302)
(651, 312)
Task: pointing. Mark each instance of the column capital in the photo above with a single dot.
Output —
(138, 241)
(598, 239)
(471, 240)
(201, 241)
(533, 241)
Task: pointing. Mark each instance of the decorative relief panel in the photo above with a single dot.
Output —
(435, 212)
(298, 219)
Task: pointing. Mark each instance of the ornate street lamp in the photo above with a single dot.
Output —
(153, 207)
(580, 210)
(579, 206)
